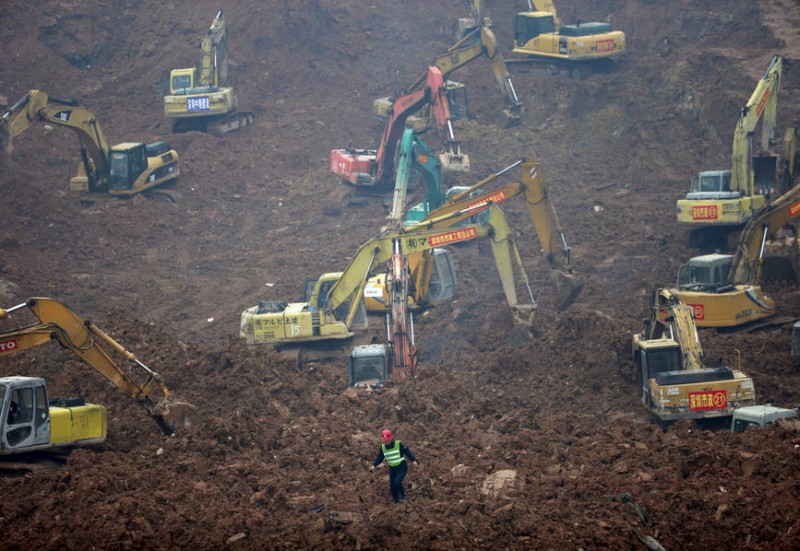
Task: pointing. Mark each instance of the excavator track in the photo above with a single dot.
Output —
(229, 123)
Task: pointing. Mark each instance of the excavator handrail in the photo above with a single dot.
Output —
(83, 338)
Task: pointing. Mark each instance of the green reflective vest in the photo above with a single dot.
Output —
(392, 455)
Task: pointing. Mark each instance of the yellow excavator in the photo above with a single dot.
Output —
(122, 170)
(725, 290)
(478, 42)
(433, 273)
(579, 49)
(335, 309)
(29, 421)
(671, 375)
(722, 201)
(200, 97)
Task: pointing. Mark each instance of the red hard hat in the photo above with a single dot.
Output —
(387, 434)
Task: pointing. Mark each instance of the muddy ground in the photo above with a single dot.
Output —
(277, 456)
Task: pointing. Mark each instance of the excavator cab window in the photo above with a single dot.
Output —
(126, 165)
(712, 183)
(42, 411)
(20, 415)
(527, 28)
(181, 82)
(662, 361)
(21, 407)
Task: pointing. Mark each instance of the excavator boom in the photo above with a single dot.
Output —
(400, 320)
(84, 339)
(542, 213)
(477, 43)
(39, 106)
(124, 169)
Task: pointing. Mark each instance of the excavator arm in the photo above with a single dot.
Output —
(214, 54)
(84, 339)
(39, 106)
(746, 265)
(542, 213)
(343, 299)
(414, 152)
(375, 168)
(479, 42)
(400, 320)
(763, 103)
(671, 318)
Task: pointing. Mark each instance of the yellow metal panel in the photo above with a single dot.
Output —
(79, 423)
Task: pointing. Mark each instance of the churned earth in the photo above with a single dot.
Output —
(540, 443)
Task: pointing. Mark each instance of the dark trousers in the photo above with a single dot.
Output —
(396, 476)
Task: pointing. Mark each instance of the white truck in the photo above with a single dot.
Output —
(759, 415)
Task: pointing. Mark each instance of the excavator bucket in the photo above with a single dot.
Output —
(568, 287)
(173, 415)
(453, 160)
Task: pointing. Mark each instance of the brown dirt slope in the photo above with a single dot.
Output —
(277, 457)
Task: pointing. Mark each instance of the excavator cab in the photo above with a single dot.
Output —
(368, 366)
(529, 25)
(129, 161)
(708, 271)
(29, 421)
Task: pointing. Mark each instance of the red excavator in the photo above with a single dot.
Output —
(373, 169)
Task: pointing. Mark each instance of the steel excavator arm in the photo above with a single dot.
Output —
(541, 211)
(478, 43)
(39, 106)
(746, 266)
(214, 54)
(343, 299)
(763, 103)
(415, 153)
(400, 319)
(671, 317)
(434, 93)
(84, 339)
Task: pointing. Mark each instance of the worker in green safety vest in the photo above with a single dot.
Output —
(394, 452)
